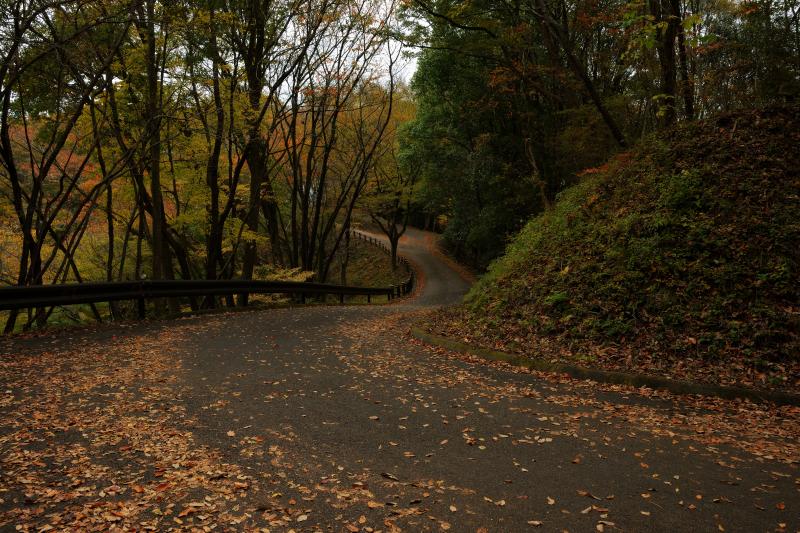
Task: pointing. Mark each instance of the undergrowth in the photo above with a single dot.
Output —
(682, 255)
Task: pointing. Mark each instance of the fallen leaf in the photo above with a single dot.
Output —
(187, 511)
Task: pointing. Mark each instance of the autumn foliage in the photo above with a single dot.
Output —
(681, 259)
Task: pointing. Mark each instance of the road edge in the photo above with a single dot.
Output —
(605, 376)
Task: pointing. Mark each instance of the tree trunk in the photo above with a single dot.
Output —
(687, 84)
(665, 37)
(550, 24)
(346, 259)
(255, 151)
(393, 241)
(162, 265)
(257, 166)
(214, 239)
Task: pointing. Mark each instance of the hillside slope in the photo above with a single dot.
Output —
(681, 258)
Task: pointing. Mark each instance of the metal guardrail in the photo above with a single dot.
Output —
(401, 289)
(81, 293)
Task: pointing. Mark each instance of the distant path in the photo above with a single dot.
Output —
(442, 284)
(332, 418)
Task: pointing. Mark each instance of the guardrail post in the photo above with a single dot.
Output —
(140, 304)
(341, 297)
(369, 298)
(302, 297)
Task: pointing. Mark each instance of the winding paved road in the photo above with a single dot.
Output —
(333, 419)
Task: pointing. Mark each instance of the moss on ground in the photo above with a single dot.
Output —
(682, 257)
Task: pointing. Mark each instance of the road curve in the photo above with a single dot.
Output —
(443, 281)
(331, 418)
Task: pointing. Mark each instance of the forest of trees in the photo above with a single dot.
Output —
(189, 140)
(219, 139)
(516, 97)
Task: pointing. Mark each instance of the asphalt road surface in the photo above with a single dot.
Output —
(331, 418)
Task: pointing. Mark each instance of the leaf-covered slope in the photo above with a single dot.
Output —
(684, 252)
